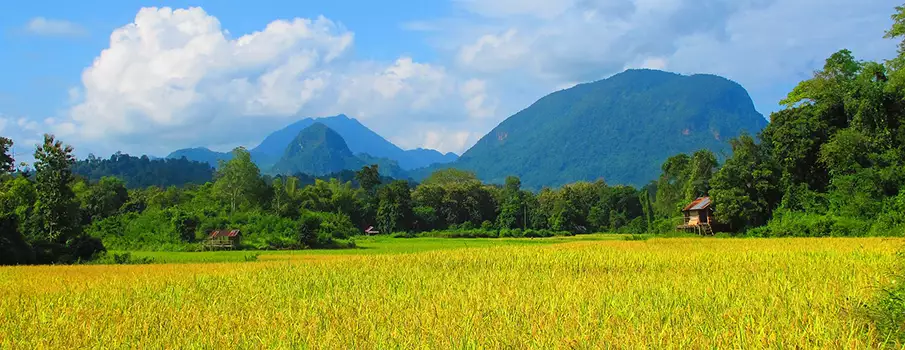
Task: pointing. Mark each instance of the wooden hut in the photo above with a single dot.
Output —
(698, 217)
(223, 239)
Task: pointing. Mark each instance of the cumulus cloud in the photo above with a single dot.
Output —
(445, 139)
(175, 78)
(54, 27)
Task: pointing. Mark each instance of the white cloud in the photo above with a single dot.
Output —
(3, 122)
(29, 125)
(495, 51)
(54, 27)
(441, 138)
(477, 101)
(175, 78)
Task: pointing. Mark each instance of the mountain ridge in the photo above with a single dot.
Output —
(620, 129)
(359, 138)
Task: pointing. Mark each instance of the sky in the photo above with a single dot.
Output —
(150, 77)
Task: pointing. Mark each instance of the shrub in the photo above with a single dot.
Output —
(335, 225)
(799, 224)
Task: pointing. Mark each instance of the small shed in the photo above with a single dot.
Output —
(698, 217)
(223, 239)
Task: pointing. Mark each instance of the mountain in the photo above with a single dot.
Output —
(200, 154)
(317, 150)
(420, 157)
(620, 129)
(358, 137)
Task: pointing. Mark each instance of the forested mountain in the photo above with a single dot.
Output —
(358, 137)
(620, 129)
(317, 150)
(140, 172)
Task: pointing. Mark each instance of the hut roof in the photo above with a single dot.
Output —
(224, 233)
(698, 204)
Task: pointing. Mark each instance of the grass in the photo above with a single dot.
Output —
(605, 293)
(366, 245)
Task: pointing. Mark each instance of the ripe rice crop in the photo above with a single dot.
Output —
(659, 293)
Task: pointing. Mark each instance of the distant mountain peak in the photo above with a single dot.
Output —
(316, 150)
(358, 138)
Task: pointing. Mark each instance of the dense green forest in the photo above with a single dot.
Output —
(830, 163)
(140, 172)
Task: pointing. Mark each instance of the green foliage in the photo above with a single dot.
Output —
(700, 171)
(369, 178)
(801, 224)
(105, 198)
(125, 258)
(426, 218)
(56, 206)
(7, 163)
(141, 172)
(394, 212)
(450, 176)
(239, 181)
(745, 190)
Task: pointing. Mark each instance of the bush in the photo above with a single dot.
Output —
(336, 225)
(308, 231)
(663, 226)
(264, 231)
(799, 224)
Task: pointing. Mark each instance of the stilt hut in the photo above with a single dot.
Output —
(223, 239)
(698, 217)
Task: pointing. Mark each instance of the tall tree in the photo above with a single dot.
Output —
(14, 206)
(700, 171)
(239, 180)
(512, 210)
(368, 178)
(7, 163)
(56, 206)
(745, 190)
(394, 212)
(671, 184)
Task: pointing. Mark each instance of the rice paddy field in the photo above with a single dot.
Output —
(587, 293)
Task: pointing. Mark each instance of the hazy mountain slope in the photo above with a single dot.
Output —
(620, 129)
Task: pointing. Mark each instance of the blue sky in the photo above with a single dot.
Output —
(122, 75)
